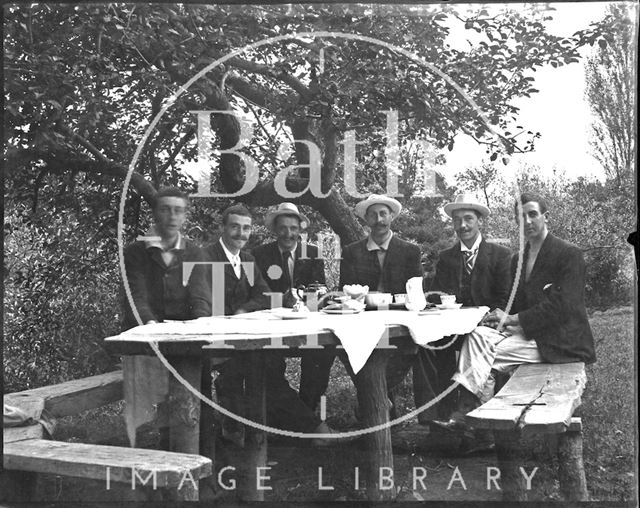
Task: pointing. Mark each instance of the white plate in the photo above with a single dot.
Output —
(341, 311)
(289, 314)
(450, 306)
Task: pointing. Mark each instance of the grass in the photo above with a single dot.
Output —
(608, 415)
(609, 408)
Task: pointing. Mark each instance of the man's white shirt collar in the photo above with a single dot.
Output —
(233, 258)
(292, 251)
(474, 247)
(372, 245)
(154, 240)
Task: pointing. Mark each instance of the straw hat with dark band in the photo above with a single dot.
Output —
(466, 202)
(286, 209)
(378, 199)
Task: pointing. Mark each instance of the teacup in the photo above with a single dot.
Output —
(378, 299)
(400, 298)
(448, 300)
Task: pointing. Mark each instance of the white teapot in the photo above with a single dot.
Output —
(415, 295)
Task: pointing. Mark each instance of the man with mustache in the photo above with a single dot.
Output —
(285, 410)
(285, 265)
(477, 272)
(383, 262)
(548, 320)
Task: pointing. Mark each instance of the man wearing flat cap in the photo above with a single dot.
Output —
(383, 262)
(285, 264)
(477, 272)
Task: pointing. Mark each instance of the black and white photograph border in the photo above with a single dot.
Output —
(317, 108)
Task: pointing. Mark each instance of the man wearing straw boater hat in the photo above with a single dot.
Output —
(285, 264)
(285, 410)
(547, 322)
(477, 272)
(383, 262)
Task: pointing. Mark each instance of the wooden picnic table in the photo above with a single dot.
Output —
(185, 347)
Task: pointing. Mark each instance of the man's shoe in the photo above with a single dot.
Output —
(455, 424)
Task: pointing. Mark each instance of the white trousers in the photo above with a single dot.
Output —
(485, 349)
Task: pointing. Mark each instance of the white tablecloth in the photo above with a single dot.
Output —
(359, 334)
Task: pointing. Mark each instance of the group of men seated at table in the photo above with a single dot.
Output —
(546, 321)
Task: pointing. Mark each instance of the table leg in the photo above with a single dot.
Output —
(254, 454)
(184, 411)
(184, 414)
(371, 383)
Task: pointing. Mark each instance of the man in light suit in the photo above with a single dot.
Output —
(548, 321)
(477, 272)
(285, 264)
(383, 262)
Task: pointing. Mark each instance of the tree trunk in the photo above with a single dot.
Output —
(340, 217)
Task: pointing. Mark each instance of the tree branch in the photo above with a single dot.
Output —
(268, 71)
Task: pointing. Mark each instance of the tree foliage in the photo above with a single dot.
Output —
(610, 77)
(84, 81)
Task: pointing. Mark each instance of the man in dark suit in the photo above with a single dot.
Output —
(548, 321)
(478, 274)
(154, 268)
(240, 294)
(286, 264)
(383, 262)
(156, 293)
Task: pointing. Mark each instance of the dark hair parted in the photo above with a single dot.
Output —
(527, 197)
(170, 192)
(235, 210)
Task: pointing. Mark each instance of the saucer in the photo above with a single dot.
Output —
(449, 306)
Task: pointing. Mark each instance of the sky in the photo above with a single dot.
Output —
(559, 111)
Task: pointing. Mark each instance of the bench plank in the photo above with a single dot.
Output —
(91, 461)
(72, 397)
(539, 398)
(11, 434)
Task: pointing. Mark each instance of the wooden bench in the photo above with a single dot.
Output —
(537, 399)
(27, 454)
(72, 397)
(177, 474)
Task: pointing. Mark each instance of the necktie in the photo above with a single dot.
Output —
(285, 268)
(381, 254)
(468, 261)
(235, 263)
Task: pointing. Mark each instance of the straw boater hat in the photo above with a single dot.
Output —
(286, 209)
(378, 199)
(466, 202)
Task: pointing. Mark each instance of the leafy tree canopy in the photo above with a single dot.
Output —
(84, 81)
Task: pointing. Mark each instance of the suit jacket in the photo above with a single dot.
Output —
(157, 290)
(305, 271)
(360, 266)
(490, 277)
(555, 317)
(239, 294)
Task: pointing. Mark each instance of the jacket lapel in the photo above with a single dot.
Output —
(482, 261)
(541, 259)
(156, 257)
